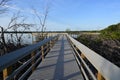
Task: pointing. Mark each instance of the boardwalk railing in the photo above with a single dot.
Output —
(19, 64)
(92, 65)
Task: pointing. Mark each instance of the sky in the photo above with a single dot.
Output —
(68, 14)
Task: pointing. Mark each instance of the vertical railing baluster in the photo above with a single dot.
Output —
(83, 56)
(47, 47)
(33, 60)
(42, 51)
(99, 76)
(6, 72)
(50, 44)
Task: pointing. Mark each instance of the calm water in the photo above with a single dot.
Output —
(26, 38)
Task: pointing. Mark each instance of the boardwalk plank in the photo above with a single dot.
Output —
(58, 64)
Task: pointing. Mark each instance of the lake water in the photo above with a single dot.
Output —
(26, 38)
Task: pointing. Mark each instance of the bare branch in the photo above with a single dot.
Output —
(43, 18)
(17, 23)
(2, 4)
(37, 15)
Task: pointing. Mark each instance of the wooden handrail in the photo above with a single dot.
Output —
(13, 57)
(104, 67)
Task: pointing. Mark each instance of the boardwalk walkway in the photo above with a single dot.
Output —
(59, 63)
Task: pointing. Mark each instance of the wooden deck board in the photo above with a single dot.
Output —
(59, 63)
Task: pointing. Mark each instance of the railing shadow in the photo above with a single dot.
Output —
(62, 55)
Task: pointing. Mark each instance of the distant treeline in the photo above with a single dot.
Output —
(111, 32)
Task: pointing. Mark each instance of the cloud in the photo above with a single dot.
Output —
(27, 10)
(13, 7)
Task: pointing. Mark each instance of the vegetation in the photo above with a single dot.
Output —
(112, 32)
(107, 43)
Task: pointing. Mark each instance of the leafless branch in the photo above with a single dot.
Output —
(42, 18)
(2, 4)
(17, 23)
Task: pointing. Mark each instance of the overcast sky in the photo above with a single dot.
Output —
(72, 14)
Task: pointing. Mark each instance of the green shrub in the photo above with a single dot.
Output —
(112, 32)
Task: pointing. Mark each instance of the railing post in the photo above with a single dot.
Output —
(82, 55)
(42, 51)
(47, 50)
(50, 44)
(6, 72)
(99, 76)
(56, 39)
(33, 60)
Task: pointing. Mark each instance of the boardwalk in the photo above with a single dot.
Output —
(59, 64)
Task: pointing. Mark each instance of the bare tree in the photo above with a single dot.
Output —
(16, 24)
(2, 42)
(42, 19)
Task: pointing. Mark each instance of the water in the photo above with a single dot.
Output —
(26, 38)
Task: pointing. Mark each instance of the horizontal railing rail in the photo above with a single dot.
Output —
(36, 51)
(105, 70)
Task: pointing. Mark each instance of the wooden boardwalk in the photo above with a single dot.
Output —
(59, 64)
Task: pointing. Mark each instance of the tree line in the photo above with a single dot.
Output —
(111, 32)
